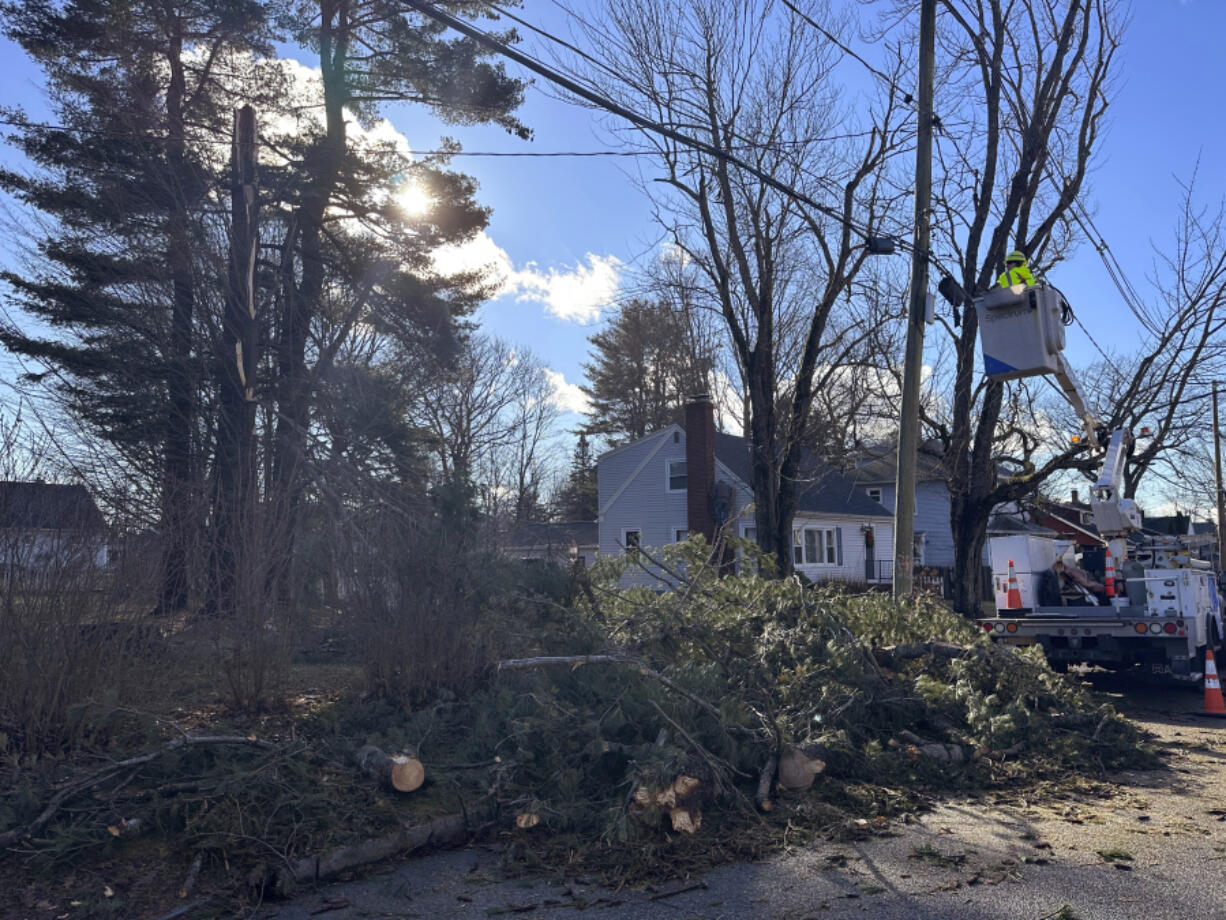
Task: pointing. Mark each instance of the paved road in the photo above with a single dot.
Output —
(989, 859)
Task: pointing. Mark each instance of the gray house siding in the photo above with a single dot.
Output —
(632, 488)
(931, 517)
(634, 496)
(633, 492)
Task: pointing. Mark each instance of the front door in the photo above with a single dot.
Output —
(870, 562)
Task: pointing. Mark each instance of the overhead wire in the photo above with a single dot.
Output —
(641, 121)
(843, 47)
(1114, 270)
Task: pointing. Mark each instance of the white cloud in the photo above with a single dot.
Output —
(579, 294)
(567, 396)
(479, 252)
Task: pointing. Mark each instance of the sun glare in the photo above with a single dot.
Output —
(413, 200)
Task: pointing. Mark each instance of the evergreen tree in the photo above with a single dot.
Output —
(577, 500)
(125, 264)
(646, 363)
(371, 52)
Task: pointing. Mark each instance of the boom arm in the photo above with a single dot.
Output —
(1114, 517)
(1072, 392)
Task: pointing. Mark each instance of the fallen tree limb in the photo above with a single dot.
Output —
(110, 770)
(444, 831)
(545, 661)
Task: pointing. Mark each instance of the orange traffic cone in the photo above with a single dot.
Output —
(1109, 577)
(1013, 596)
(1214, 706)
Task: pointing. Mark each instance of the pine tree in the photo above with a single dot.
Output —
(645, 364)
(577, 500)
(370, 53)
(128, 255)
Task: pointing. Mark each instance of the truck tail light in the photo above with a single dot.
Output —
(1000, 627)
(1155, 627)
(1140, 627)
(1169, 628)
(1012, 627)
(987, 627)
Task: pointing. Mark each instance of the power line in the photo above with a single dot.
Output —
(446, 152)
(845, 49)
(1114, 270)
(641, 121)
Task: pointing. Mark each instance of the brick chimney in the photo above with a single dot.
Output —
(1075, 502)
(700, 464)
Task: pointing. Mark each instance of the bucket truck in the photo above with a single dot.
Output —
(1153, 607)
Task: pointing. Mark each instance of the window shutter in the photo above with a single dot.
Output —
(838, 544)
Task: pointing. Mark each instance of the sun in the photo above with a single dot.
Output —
(412, 200)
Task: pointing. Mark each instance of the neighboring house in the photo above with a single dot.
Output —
(875, 471)
(43, 525)
(659, 489)
(566, 544)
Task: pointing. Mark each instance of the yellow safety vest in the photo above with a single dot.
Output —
(1012, 276)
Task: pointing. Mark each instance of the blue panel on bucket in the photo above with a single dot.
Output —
(993, 366)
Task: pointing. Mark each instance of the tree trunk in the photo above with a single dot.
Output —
(302, 301)
(178, 492)
(234, 473)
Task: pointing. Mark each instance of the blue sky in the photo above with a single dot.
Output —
(1166, 115)
(567, 229)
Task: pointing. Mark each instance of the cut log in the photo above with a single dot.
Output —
(935, 750)
(765, 778)
(398, 772)
(800, 764)
(681, 800)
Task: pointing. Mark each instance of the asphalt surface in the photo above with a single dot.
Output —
(1153, 849)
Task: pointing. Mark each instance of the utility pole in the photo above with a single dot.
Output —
(908, 423)
(1217, 473)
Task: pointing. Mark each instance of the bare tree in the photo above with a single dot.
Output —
(490, 418)
(1022, 97)
(753, 81)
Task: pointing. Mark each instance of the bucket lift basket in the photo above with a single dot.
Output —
(1021, 330)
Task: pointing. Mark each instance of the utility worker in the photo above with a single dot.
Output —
(1016, 270)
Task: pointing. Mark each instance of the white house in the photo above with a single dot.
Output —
(683, 479)
(568, 544)
(45, 525)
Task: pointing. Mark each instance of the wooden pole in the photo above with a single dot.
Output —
(908, 423)
(1217, 472)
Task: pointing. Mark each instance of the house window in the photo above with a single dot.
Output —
(681, 534)
(751, 534)
(676, 476)
(631, 539)
(814, 546)
(874, 494)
